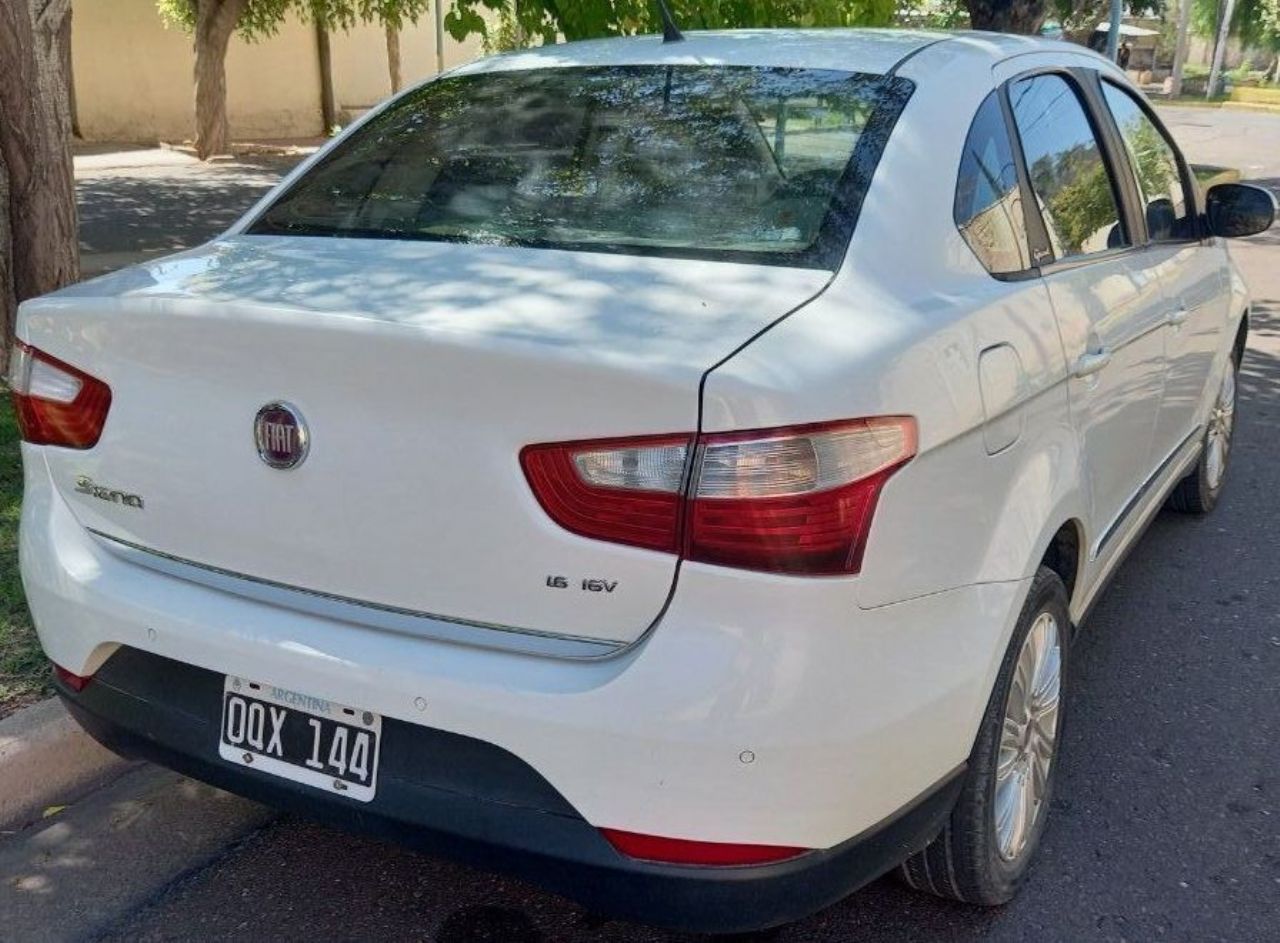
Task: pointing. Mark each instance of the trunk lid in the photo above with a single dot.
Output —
(421, 369)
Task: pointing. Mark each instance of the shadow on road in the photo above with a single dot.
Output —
(1260, 370)
(155, 210)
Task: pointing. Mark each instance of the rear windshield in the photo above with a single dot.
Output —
(750, 164)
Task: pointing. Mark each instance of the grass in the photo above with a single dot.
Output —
(24, 673)
(1222, 101)
(1207, 175)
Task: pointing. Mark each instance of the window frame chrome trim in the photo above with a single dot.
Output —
(1190, 188)
(1086, 97)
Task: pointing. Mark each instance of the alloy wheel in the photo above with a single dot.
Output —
(1221, 425)
(1028, 737)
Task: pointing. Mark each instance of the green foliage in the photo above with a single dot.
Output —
(1256, 23)
(1082, 14)
(1240, 74)
(548, 20)
(262, 18)
(1077, 192)
(1267, 27)
(932, 14)
(1072, 15)
(1151, 158)
(1083, 208)
(503, 34)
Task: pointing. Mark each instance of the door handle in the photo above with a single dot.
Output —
(1091, 363)
(1178, 316)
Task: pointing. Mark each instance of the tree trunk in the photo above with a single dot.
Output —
(393, 58)
(439, 17)
(1113, 33)
(1007, 16)
(38, 244)
(328, 101)
(1220, 51)
(1180, 49)
(64, 50)
(215, 22)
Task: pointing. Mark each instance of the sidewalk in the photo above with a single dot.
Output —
(79, 872)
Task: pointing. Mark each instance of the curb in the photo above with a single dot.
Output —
(46, 760)
(1264, 107)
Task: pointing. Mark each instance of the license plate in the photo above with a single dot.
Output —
(296, 736)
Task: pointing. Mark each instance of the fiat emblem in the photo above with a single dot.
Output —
(281, 435)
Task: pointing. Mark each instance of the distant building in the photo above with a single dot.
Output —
(133, 76)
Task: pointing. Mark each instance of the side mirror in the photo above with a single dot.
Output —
(1239, 209)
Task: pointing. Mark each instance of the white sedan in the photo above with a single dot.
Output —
(669, 471)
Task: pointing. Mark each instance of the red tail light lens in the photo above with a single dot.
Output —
(626, 491)
(56, 403)
(792, 500)
(796, 500)
(706, 853)
(75, 682)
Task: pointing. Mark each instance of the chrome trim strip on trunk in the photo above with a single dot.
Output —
(359, 612)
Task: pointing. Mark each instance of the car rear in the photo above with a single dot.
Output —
(393, 505)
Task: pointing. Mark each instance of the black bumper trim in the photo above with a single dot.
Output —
(461, 798)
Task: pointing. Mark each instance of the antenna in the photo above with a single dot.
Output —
(670, 32)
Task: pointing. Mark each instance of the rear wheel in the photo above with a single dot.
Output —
(1198, 493)
(986, 847)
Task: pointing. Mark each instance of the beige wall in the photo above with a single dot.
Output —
(133, 76)
(360, 74)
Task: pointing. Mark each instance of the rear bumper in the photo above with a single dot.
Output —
(465, 799)
(762, 710)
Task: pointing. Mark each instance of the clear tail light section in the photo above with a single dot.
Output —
(56, 403)
(626, 491)
(797, 500)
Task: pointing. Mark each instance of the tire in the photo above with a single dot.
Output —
(1198, 493)
(972, 860)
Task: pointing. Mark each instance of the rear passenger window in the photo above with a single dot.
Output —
(1071, 182)
(988, 208)
(1155, 162)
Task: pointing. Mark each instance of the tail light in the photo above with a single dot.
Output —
(56, 403)
(75, 682)
(793, 500)
(627, 491)
(682, 851)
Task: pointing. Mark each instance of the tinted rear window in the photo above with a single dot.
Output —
(755, 164)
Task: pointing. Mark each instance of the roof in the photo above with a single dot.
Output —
(873, 51)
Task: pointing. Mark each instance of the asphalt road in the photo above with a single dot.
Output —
(1167, 821)
(141, 203)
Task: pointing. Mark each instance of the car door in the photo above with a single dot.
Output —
(1109, 305)
(1191, 270)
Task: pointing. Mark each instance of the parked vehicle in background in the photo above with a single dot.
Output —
(671, 472)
